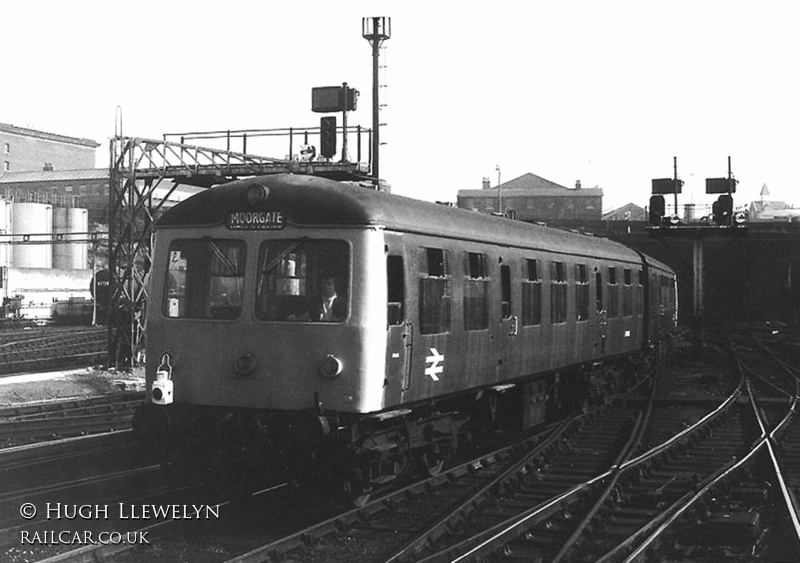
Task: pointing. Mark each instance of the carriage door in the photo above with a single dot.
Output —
(601, 318)
(509, 326)
(398, 337)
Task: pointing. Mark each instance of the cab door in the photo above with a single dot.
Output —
(399, 331)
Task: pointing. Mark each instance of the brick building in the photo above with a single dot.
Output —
(532, 198)
(86, 188)
(23, 150)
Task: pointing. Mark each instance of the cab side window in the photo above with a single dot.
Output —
(396, 294)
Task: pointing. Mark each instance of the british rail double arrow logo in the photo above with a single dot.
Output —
(436, 367)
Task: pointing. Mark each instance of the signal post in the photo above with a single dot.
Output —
(722, 222)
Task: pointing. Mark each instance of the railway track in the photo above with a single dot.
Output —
(468, 485)
(71, 417)
(680, 473)
(723, 512)
(53, 479)
(47, 349)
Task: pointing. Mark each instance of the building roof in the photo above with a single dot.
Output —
(533, 185)
(762, 206)
(54, 175)
(629, 211)
(25, 132)
(181, 191)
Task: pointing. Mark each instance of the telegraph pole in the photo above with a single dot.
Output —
(376, 30)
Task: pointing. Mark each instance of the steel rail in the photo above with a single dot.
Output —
(642, 422)
(500, 533)
(769, 439)
(344, 520)
(45, 426)
(53, 408)
(678, 508)
(676, 511)
(435, 530)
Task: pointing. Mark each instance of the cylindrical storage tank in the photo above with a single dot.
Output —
(71, 223)
(32, 224)
(5, 229)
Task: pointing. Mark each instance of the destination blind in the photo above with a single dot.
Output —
(256, 220)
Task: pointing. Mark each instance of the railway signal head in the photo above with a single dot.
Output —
(722, 210)
(327, 126)
(657, 210)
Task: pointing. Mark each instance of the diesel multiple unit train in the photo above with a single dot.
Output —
(352, 332)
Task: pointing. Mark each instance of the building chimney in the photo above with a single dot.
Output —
(48, 167)
(577, 184)
(486, 184)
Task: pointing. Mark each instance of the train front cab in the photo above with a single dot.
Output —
(231, 326)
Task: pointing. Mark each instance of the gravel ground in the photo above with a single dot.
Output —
(77, 383)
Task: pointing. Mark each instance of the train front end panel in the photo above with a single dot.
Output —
(267, 320)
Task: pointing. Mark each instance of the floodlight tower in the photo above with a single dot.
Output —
(376, 30)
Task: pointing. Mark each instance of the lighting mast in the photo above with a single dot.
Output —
(376, 30)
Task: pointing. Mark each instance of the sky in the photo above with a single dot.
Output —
(607, 93)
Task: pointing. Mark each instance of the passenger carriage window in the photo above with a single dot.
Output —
(627, 293)
(639, 297)
(476, 291)
(673, 298)
(581, 292)
(303, 280)
(655, 291)
(435, 292)
(558, 292)
(531, 294)
(205, 279)
(598, 287)
(396, 290)
(505, 292)
(613, 293)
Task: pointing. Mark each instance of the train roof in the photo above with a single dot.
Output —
(315, 201)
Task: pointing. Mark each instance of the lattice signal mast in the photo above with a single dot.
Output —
(138, 167)
(376, 30)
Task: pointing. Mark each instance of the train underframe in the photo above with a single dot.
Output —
(356, 454)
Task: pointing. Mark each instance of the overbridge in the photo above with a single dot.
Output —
(139, 166)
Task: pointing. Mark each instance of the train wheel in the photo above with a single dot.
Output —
(432, 463)
(355, 493)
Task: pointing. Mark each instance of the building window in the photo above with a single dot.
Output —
(6, 166)
(6, 148)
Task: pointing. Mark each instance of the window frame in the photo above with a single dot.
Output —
(475, 298)
(531, 292)
(438, 321)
